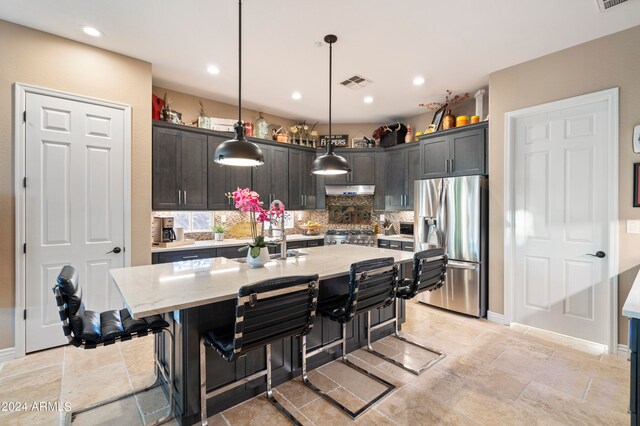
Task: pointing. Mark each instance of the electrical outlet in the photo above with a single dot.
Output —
(381, 218)
(223, 218)
(633, 226)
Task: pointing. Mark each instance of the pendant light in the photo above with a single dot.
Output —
(330, 163)
(239, 151)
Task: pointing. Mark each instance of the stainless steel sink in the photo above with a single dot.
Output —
(275, 256)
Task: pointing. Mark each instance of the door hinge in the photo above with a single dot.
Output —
(24, 181)
(24, 248)
(24, 116)
(25, 314)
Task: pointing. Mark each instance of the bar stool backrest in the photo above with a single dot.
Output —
(372, 284)
(274, 309)
(429, 271)
(68, 295)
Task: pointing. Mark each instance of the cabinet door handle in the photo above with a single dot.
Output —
(304, 200)
(195, 256)
(185, 196)
(451, 167)
(446, 165)
(179, 197)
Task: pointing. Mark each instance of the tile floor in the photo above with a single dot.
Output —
(492, 375)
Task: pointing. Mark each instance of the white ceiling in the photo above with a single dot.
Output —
(454, 44)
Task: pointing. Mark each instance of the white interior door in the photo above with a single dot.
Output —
(74, 207)
(561, 202)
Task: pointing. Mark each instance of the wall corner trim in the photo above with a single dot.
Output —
(494, 317)
(7, 354)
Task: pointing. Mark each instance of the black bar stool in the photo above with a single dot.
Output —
(372, 285)
(266, 312)
(429, 273)
(88, 329)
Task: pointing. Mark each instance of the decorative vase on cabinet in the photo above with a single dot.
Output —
(448, 121)
(260, 260)
(261, 128)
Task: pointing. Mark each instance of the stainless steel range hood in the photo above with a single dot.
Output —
(350, 189)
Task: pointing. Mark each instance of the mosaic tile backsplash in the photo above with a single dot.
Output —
(236, 224)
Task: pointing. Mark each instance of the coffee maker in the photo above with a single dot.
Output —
(162, 230)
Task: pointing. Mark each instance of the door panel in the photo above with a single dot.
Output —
(561, 201)
(74, 210)
(463, 230)
(295, 183)
(468, 153)
(412, 160)
(218, 179)
(463, 287)
(435, 154)
(193, 178)
(165, 155)
(362, 168)
(395, 180)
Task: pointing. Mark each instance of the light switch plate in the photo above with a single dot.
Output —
(381, 218)
(633, 226)
(636, 139)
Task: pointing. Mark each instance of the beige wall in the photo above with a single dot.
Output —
(188, 106)
(33, 57)
(611, 61)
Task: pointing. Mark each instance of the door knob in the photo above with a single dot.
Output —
(599, 254)
(115, 250)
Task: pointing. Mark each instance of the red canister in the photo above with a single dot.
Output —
(248, 129)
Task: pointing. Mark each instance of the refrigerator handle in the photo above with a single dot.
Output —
(441, 215)
(462, 265)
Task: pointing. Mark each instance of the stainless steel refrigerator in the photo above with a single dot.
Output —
(452, 213)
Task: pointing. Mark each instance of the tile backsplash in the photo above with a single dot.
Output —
(237, 224)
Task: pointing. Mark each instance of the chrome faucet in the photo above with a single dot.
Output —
(283, 235)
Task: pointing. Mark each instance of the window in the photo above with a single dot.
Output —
(191, 221)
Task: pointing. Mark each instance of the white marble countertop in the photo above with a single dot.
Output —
(229, 242)
(156, 289)
(396, 237)
(631, 308)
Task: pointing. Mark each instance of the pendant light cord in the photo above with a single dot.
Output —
(240, 61)
(330, 150)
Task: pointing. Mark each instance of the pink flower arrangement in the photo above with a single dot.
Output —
(248, 201)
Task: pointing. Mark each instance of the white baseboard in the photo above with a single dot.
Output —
(493, 317)
(622, 349)
(6, 354)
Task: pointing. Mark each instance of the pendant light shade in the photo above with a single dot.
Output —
(330, 163)
(239, 151)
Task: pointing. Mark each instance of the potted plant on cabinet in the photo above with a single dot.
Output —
(218, 232)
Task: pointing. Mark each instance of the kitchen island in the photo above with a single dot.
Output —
(200, 294)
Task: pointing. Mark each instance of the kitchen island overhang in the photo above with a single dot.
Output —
(200, 295)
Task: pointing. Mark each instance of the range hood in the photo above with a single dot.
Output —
(350, 189)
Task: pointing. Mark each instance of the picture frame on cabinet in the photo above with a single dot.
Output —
(437, 118)
(636, 184)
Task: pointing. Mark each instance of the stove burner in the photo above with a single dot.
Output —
(345, 236)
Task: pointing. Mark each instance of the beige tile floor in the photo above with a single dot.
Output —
(492, 375)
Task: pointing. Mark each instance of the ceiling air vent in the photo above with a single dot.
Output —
(356, 82)
(605, 5)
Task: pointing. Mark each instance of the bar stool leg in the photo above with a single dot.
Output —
(159, 370)
(203, 383)
(270, 395)
(343, 358)
(397, 335)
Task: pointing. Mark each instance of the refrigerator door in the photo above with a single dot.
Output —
(461, 291)
(461, 224)
(428, 212)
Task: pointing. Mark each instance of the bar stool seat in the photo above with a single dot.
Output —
(372, 285)
(429, 273)
(266, 312)
(89, 329)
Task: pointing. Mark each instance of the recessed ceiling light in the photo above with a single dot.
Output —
(318, 44)
(418, 81)
(296, 95)
(368, 99)
(92, 31)
(212, 69)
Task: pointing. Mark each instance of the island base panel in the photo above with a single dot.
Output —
(286, 359)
